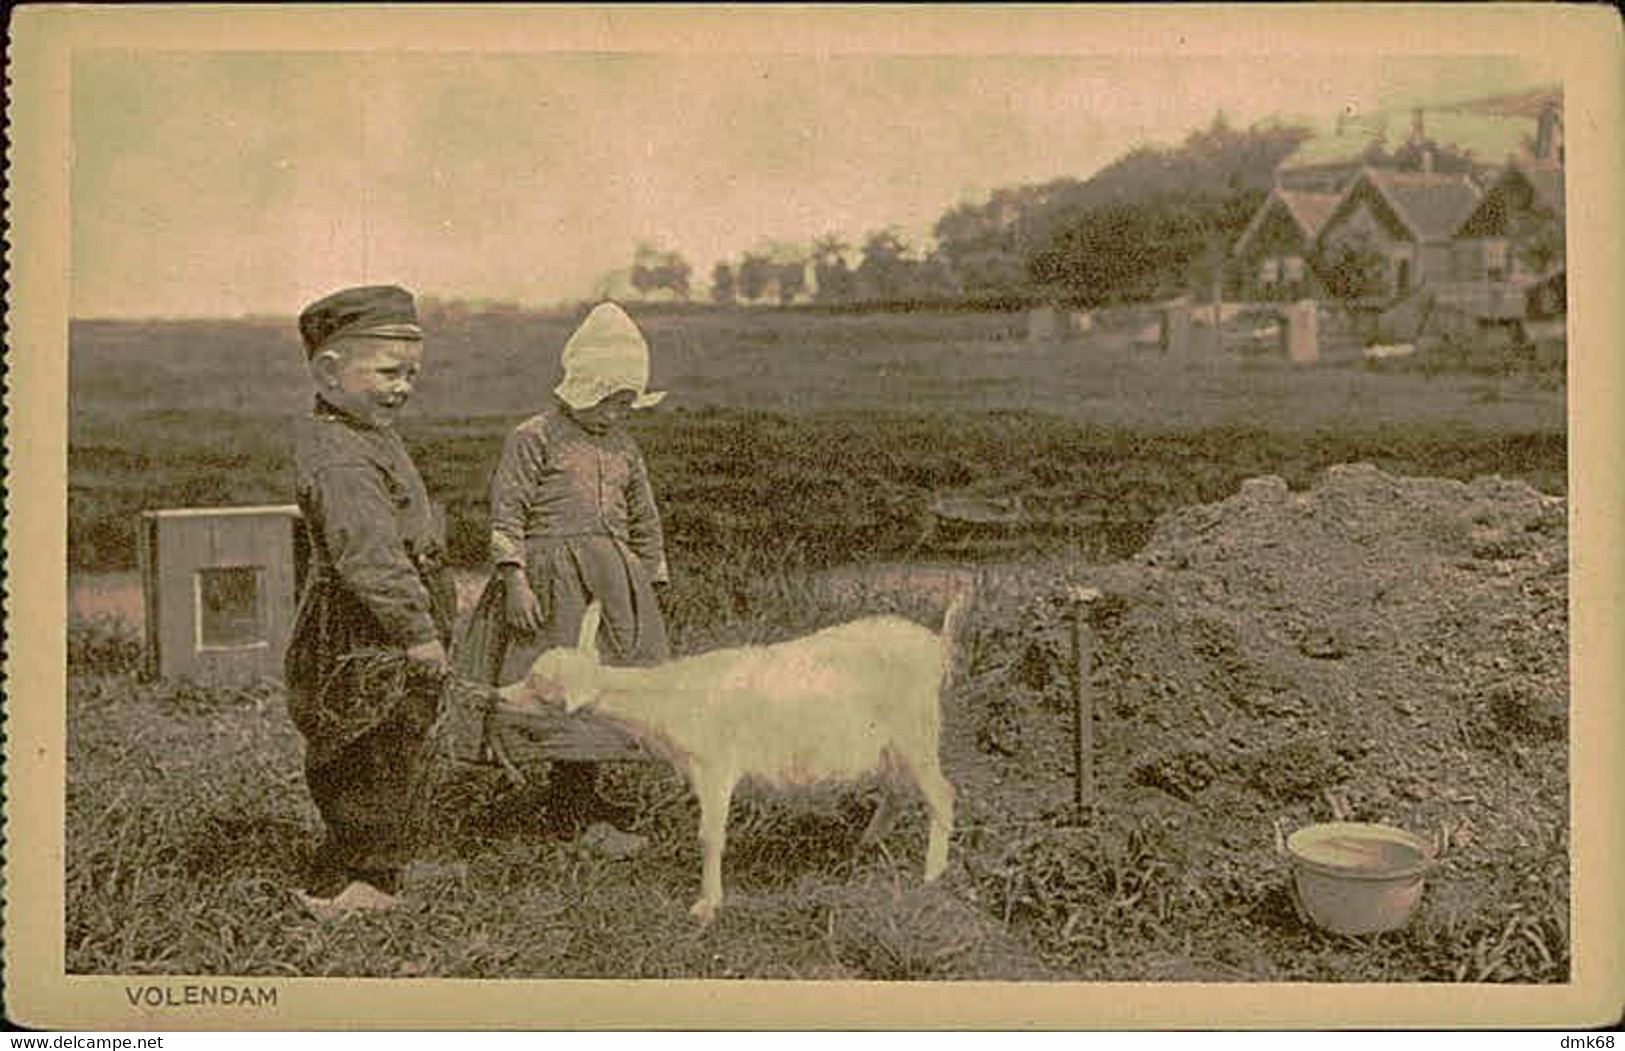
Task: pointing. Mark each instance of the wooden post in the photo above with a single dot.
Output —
(1216, 249)
(1083, 714)
(1176, 327)
(1298, 328)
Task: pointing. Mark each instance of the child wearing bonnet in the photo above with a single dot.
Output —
(573, 520)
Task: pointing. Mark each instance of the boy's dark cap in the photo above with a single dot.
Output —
(370, 310)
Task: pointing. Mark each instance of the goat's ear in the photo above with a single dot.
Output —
(587, 642)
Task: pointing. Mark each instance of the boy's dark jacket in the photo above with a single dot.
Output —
(377, 580)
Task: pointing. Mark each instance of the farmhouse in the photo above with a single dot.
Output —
(1272, 255)
(1469, 205)
(1513, 207)
(1510, 241)
(1396, 229)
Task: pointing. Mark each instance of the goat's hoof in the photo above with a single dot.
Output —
(703, 911)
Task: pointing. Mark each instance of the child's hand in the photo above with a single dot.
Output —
(524, 612)
(430, 654)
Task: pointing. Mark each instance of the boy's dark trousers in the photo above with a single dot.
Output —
(364, 794)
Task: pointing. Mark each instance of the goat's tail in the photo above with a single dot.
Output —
(952, 621)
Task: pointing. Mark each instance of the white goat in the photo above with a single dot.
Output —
(835, 706)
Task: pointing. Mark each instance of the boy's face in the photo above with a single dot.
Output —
(369, 377)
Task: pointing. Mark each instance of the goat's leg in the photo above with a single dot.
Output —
(885, 814)
(716, 794)
(939, 802)
(880, 822)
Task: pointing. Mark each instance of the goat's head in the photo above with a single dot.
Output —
(563, 675)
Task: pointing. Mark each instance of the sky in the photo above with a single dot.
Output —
(222, 183)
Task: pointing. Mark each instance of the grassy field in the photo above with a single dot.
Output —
(163, 879)
(794, 443)
(827, 434)
(790, 363)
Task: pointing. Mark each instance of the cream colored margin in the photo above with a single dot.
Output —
(1587, 39)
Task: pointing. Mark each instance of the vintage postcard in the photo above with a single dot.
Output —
(965, 516)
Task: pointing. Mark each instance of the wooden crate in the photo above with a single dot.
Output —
(220, 586)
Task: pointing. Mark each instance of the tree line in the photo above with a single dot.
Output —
(1146, 225)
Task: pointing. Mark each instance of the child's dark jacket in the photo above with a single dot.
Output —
(377, 579)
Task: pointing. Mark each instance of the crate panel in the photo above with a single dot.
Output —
(219, 586)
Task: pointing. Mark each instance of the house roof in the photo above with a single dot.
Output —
(1432, 205)
(1308, 210)
(1547, 181)
(1311, 210)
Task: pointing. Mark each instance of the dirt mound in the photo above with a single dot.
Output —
(1375, 648)
(1385, 618)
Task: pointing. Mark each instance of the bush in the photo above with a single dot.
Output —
(103, 645)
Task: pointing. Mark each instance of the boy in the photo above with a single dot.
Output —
(377, 585)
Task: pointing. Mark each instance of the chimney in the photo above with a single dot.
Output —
(1418, 132)
(1427, 157)
(1548, 133)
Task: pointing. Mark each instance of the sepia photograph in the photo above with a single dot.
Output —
(692, 495)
